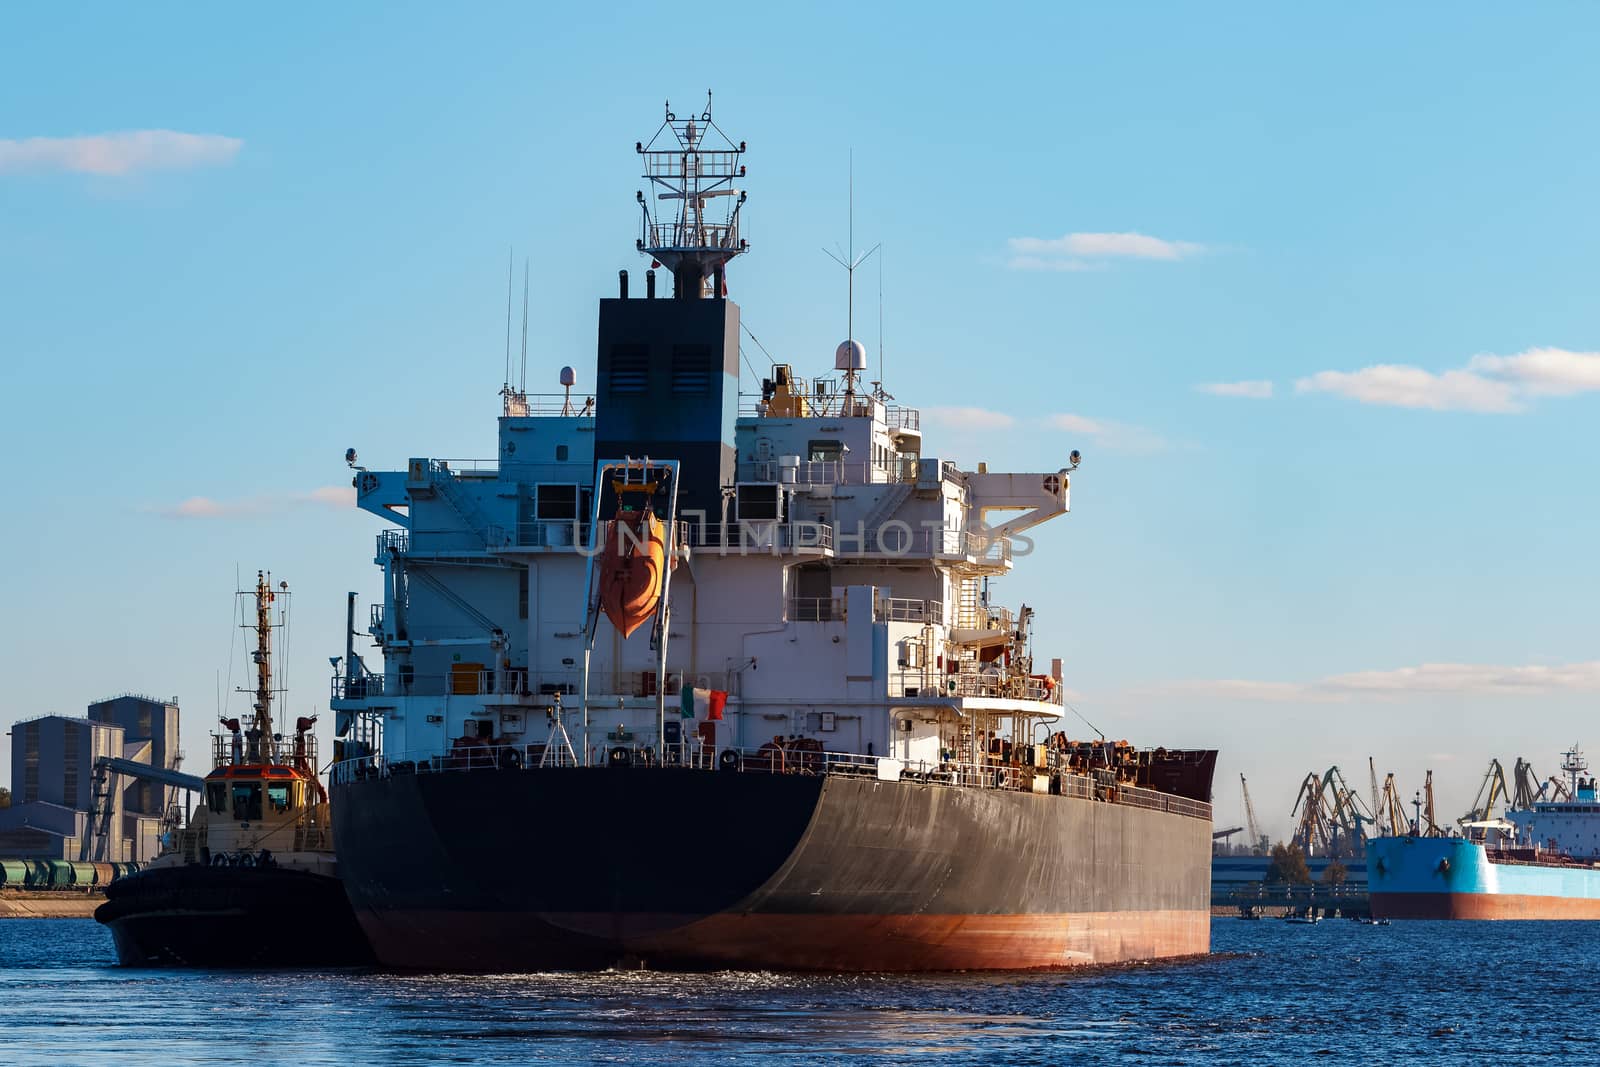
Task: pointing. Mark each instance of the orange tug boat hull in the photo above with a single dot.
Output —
(630, 570)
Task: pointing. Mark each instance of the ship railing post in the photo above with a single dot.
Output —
(584, 681)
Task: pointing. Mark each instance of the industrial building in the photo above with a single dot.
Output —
(74, 778)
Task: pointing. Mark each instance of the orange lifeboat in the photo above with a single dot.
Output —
(630, 569)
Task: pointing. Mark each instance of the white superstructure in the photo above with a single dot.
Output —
(1569, 822)
(832, 573)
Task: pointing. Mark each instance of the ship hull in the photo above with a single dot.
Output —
(201, 916)
(507, 870)
(1449, 878)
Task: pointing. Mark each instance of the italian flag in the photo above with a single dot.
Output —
(703, 703)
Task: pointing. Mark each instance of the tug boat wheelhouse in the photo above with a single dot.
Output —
(252, 880)
(690, 681)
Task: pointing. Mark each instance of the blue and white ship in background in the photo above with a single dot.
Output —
(1540, 861)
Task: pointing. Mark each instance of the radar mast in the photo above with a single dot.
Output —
(690, 221)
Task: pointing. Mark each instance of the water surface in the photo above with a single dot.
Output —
(1273, 993)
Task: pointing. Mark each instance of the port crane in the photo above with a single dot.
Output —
(1427, 825)
(106, 787)
(1392, 820)
(1331, 816)
(1530, 790)
(1480, 821)
(1372, 772)
(1258, 840)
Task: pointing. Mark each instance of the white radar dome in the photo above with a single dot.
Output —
(569, 377)
(850, 355)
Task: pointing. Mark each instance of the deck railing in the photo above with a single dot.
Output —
(627, 754)
(932, 683)
(517, 685)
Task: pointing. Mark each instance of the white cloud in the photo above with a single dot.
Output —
(1080, 251)
(1112, 436)
(1453, 678)
(1103, 433)
(122, 152)
(1253, 390)
(960, 418)
(334, 496)
(1392, 385)
(204, 507)
(1543, 371)
(1488, 383)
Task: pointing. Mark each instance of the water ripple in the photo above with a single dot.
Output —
(1271, 994)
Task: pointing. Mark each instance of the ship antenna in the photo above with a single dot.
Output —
(850, 261)
(523, 381)
(880, 323)
(510, 259)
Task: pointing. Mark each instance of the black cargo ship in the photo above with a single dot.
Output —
(810, 871)
(826, 747)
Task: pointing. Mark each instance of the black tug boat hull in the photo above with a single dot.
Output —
(554, 869)
(201, 916)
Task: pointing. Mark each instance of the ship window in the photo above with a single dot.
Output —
(825, 451)
(557, 502)
(757, 503)
(278, 797)
(217, 796)
(691, 369)
(630, 370)
(247, 801)
(522, 593)
(561, 453)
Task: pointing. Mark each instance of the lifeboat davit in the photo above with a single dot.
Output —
(630, 569)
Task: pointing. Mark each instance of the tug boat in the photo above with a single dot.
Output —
(252, 881)
(687, 679)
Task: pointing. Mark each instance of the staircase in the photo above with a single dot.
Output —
(97, 827)
(448, 486)
(969, 611)
(888, 504)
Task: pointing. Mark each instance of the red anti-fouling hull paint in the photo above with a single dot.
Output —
(501, 941)
(1481, 906)
(526, 870)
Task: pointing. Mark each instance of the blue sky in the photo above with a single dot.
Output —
(1087, 216)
